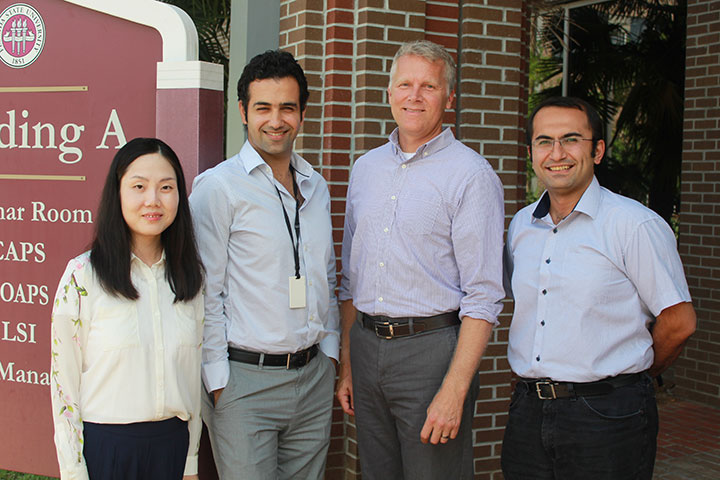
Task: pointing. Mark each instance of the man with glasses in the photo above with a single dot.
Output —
(601, 305)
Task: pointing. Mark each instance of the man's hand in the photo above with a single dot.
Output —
(445, 411)
(216, 395)
(344, 390)
(190, 477)
(443, 416)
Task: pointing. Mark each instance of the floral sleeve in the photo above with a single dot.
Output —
(66, 367)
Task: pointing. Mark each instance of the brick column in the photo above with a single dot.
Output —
(493, 105)
(302, 34)
(697, 372)
(346, 48)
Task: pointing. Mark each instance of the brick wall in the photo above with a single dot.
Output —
(346, 48)
(493, 105)
(697, 372)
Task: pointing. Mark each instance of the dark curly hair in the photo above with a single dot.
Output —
(272, 64)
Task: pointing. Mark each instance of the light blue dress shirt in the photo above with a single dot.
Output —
(587, 288)
(248, 257)
(423, 235)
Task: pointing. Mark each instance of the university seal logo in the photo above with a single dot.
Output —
(22, 35)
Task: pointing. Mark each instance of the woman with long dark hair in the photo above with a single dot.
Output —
(127, 330)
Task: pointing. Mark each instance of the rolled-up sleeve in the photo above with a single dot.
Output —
(477, 237)
(348, 232)
(330, 344)
(212, 217)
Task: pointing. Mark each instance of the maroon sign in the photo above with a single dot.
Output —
(75, 84)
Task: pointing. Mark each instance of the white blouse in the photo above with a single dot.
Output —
(122, 361)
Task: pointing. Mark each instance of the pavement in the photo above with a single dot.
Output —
(688, 441)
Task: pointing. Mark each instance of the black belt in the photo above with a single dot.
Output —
(547, 389)
(392, 327)
(287, 360)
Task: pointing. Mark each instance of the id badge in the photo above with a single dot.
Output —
(297, 292)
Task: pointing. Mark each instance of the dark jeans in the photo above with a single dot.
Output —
(609, 437)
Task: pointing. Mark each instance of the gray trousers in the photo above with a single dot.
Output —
(394, 382)
(271, 423)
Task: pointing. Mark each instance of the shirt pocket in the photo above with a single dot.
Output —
(186, 328)
(115, 325)
(417, 214)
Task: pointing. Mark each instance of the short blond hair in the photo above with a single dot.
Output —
(432, 52)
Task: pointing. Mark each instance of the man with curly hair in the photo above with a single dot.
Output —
(271, 320)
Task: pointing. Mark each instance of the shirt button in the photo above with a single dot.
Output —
(547, 260)
(542, 323)
(310, 282)
(312, 317)
(537, 358)
(382, 264)
(393, 197)
(425, 154)
(555, 230)
(544, 292)
(386, 229)
(380, 299)
(404, 166)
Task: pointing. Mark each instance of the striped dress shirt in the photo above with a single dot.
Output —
(423, 235)
(248, 256)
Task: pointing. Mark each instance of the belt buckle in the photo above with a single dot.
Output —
(384, 324)
(290, 362)
(538, 389)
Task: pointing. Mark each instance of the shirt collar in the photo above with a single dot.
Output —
(251, 159)
(437, 143)
(135, 259)
(589, 202)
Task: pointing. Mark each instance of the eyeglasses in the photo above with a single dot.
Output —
(544, 145)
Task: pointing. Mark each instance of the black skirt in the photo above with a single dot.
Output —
(136, 451)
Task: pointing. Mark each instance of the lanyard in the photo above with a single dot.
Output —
(296, 242)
